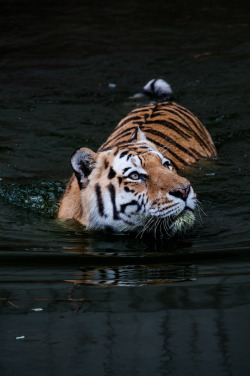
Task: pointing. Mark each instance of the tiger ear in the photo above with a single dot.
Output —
(138, 135)
(83, 162)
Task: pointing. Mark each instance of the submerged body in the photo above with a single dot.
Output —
(131, 183)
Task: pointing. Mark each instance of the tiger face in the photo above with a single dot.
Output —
(132, 188)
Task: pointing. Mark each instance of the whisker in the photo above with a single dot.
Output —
(199, 216)
(166, 225)
(199, 205)
(160, 225)
(146, 225)
(156, 225)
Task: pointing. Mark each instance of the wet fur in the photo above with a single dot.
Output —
(153, 141)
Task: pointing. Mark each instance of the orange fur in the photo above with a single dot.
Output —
(102, 194)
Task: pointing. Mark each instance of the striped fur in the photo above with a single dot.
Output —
(179, 134)
(131, 183)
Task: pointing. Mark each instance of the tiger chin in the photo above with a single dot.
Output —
(131, 184)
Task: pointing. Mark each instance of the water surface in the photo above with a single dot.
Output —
(154, 307)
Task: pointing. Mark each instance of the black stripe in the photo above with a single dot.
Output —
(78, 176)
(185, 116)
(170, 140)
(170, 152)
(143, 147)
(123, 154)
(140, 158)
(133, 202)
(111, 174)
(171, 126)
(116, 136)
(111, 189)
(127, 120)
(124, 133)
(126, 144)
(197, 124)
(126, 169)
(200, 127)
(142, 109)
(192, 132)
(134, 135)
(99, 200)
(127, 189)
(106, 164)
(129, 156)
(116, 152)
(190, 117)
(196, 152)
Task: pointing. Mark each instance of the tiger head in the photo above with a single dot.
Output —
(132, 188)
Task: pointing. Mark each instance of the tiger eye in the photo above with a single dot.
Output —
(166, 164)
(134, 176)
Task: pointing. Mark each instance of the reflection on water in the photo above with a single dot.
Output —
(176, 329)
(159, 275)
(135, 275)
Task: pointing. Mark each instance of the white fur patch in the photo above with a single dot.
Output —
(158, 87)
(120, 164)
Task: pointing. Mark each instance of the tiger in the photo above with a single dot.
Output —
(131, 184)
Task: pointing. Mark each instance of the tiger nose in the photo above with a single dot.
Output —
(181, 192)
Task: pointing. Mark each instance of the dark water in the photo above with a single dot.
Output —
(153, 307)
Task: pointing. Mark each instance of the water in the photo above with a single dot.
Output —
(154, 307)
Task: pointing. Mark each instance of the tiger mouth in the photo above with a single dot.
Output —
(170, 225)
(181, 214)
(172, 217)
(183, 221)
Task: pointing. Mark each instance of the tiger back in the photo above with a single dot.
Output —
(131, 184)
(176, 132)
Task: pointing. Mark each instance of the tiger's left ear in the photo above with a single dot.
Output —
(138, 135)
(83, 162)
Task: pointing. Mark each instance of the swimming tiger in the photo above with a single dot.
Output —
(131, 183)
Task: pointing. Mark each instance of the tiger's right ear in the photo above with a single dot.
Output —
(83, 162)
(138, 135)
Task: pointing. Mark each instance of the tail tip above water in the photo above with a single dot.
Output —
(156, 88)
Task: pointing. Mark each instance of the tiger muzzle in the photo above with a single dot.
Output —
(181, 192)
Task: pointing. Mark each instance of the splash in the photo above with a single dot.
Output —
(41, 197)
